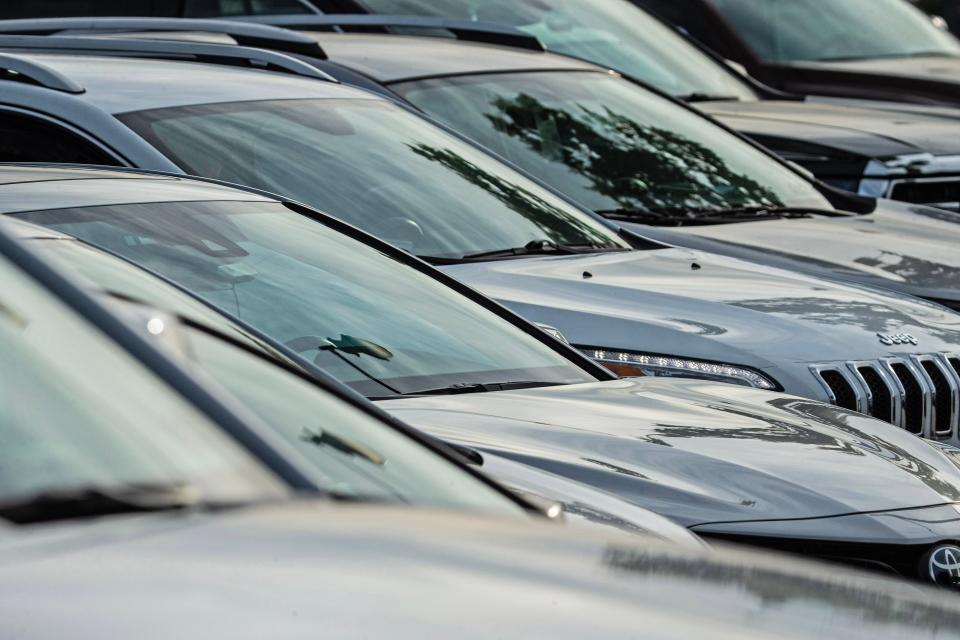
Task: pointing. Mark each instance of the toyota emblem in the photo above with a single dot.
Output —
(943, 565)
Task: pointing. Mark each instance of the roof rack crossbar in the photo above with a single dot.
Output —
(212, 53)
(38, 73)
(486, 32)
(244, 33)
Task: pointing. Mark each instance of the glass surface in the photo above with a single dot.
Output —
(612, 33)
(796, 30)
(359, 456)
(610, 144)
(76, 410)
(367, 320)
(374, 165)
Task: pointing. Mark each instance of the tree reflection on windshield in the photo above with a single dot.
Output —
(535, 209)
(639, 166)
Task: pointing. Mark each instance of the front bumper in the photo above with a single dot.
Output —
(896, 543)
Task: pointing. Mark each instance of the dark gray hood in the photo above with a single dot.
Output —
(869, 133)
(700, 452)
(689, 303)
(907, 248)
(308, 571)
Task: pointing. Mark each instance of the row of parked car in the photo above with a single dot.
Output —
(267, 280)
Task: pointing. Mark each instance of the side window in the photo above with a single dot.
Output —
(216, 8)
(27, 139)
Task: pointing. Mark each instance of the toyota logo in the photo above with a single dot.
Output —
(943, 565)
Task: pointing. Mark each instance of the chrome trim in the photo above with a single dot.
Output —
(895, 409)
(850, 372)
(880, 177)
(860, 392)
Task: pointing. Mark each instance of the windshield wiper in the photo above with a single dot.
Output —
(693, 216)
(532, 248)
(92, 501)
(477, 387)
(706, 97)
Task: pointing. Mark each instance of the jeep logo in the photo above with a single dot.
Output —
(891, 339)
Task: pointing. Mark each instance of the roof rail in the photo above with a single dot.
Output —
(212, 53)
(486, 32)
(41, 74)
(244, 33)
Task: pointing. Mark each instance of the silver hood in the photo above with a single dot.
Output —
(300, 571)
(907, 248)
(699, 452)
(694, 304)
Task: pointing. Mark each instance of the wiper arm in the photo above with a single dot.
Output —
(693, 216)
(92, 501)
(476, 387)
(706, 97)
(532, 248)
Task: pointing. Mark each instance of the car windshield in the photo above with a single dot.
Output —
(611, 144)
(612, 33)
(805, 30)
(77, 411)
(367, 320)
(376, 166)
(358, 455)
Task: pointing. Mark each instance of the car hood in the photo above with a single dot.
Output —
(935, 68)
(871, 133)
(908, 248)
(306, 571)
(699, 452)
(695, 304)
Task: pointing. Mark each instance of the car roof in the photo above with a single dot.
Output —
(394, 58)
(28, 188)
(121, 83)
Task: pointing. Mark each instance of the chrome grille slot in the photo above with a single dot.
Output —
(913, 398)
(944, 395)
(881, 400)
(841, 390)
(955, 363)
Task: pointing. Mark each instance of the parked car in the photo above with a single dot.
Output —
(728, 462)
(122, 511)
(642, 308)
(888, 150)
(357, 439)
(865, 49)
(880, 150)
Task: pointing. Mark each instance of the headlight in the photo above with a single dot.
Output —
(628, 364)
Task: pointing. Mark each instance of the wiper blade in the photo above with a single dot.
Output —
(692, 216)
(480, 387)
(92, 501)
(706, 97)
(533, 248)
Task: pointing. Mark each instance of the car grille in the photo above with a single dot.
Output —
(891, 559)
(940, 192)
(919, 393)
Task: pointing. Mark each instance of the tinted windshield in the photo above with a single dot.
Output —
(612, 33)
(609, 143)
(77, 411)
(363, 317)
(785, 30)
(374, 165)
